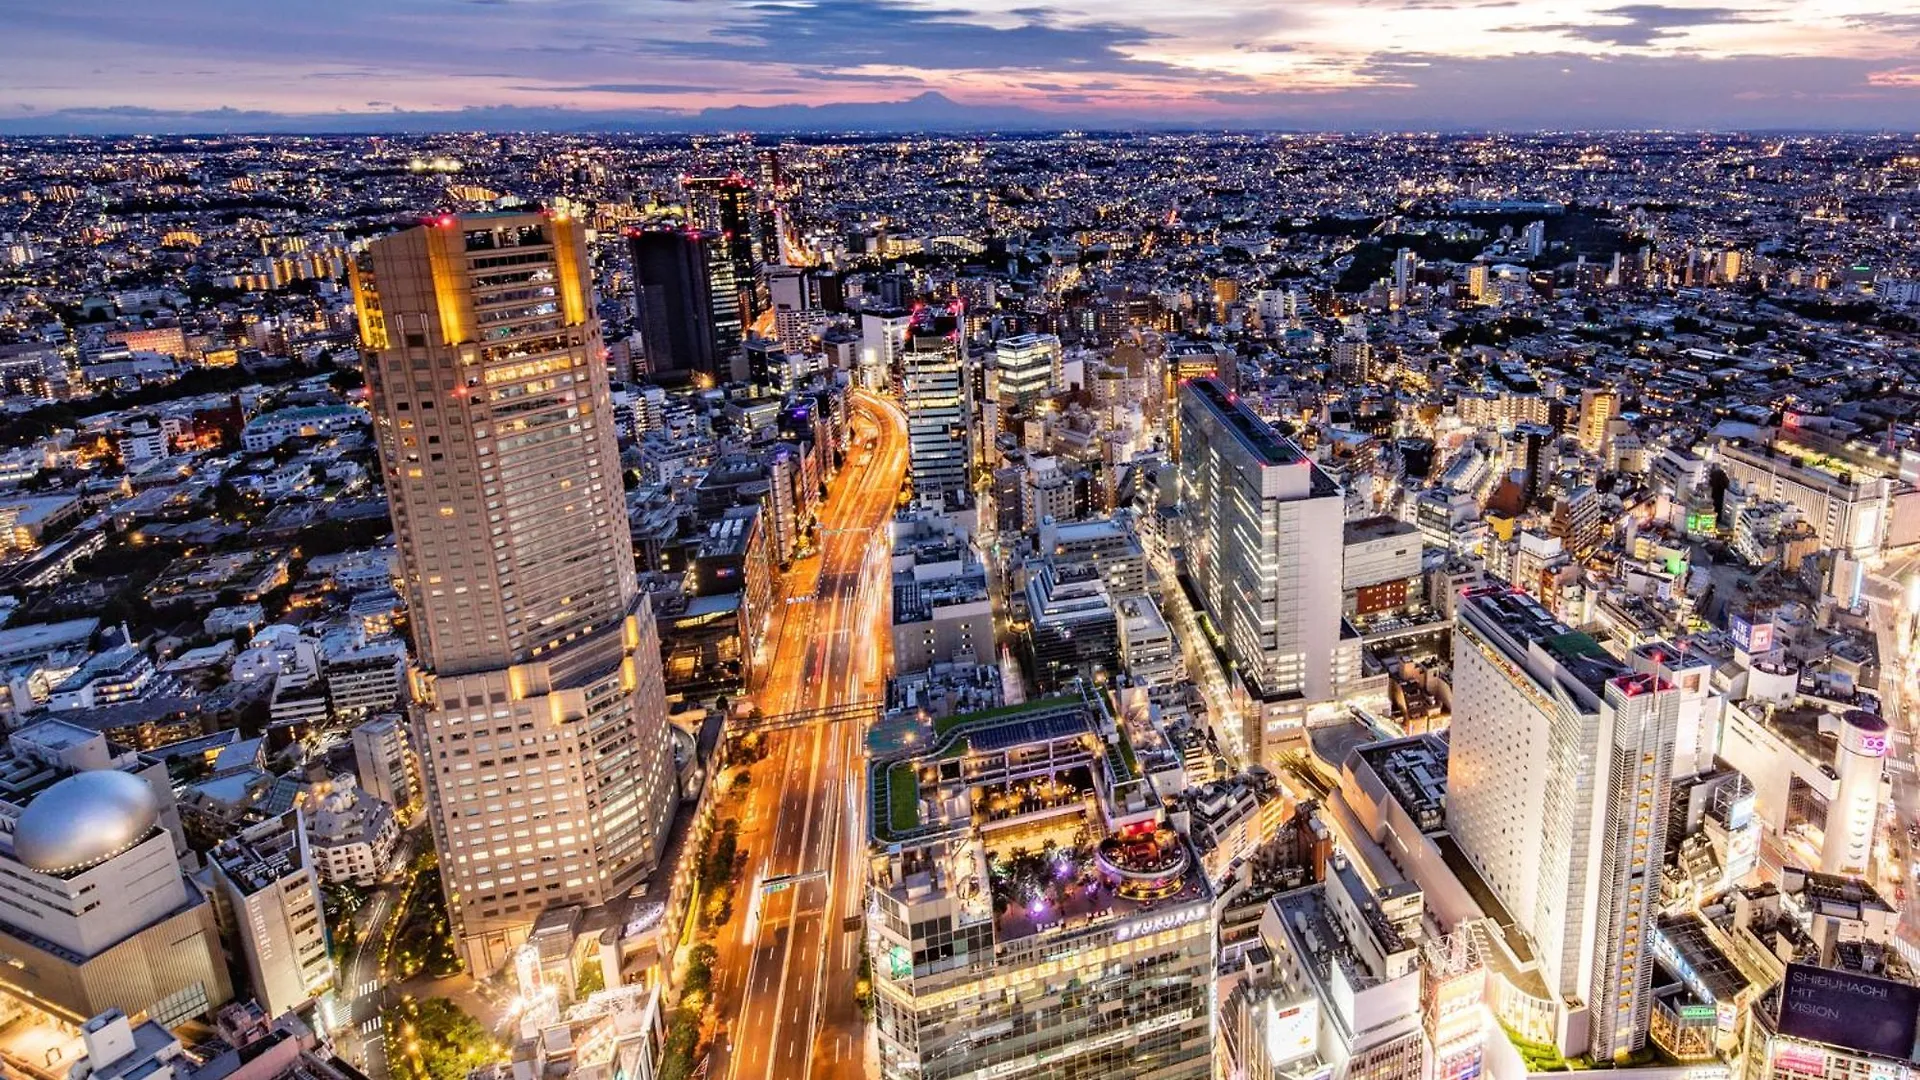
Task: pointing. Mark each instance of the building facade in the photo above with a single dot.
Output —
(540, 709)
(1264, 548)
(1559, 782)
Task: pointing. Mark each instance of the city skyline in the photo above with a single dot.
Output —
(1043, 605)
(209, 65)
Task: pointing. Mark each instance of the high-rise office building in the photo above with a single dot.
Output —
(1264, 544)
(729, 206)
(797, 314)
(1029, 366)
(540, 710)
(934, 394)
(687, 300)
(1559, 780)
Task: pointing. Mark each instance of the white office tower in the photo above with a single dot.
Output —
(1558, 785)
(883, 340)
(1029, 366)
(269, 897)
(1848, 846)
(1264, 546)
(1533, 238)
(933, 391)
(541, 714)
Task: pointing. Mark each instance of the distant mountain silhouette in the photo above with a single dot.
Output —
(929, 111)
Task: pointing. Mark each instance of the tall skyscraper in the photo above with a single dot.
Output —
(540, 712)
(1264, 542)
(1029, 366)
(687, 300)
(728, 205)
(1558, 785)
(934, 394)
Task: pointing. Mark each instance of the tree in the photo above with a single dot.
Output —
(435, 1039)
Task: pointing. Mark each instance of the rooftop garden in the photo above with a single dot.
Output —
(903, 798)
(947, 723)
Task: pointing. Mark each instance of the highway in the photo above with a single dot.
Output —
(789, 958)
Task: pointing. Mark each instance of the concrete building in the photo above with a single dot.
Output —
(1598, 406)
(1109, 543)
(1559, 781)
(1264, 549)
(495, 429)
(1810, 765)
(1148, 652)
(268, 895)
(383, 761)
(883, 342)
(1381, 569)
(350, 834)
(1336, 988)
(942, 614)
(1072, 626)
(1847, 510)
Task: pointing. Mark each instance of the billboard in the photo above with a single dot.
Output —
(1856, 1012)
(1753, 634)
(1293, 1031)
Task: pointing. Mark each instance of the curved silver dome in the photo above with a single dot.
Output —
(84, 819)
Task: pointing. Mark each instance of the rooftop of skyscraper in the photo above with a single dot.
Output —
(1036, 818)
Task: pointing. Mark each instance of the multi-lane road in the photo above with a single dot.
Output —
(789, 958)
(360, 988)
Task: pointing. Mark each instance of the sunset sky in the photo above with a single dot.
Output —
(1292, 63)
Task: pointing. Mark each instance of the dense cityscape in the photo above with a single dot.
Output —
(621, 606)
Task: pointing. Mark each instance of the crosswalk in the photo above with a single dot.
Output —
(370, 1025)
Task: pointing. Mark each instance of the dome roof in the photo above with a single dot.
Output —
(85, 819)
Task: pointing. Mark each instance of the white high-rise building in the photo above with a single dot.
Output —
(1405, 263)
(383, 762)
(270, 894)
(1265, 542)
(1558, 783)
(883, 339)
(541, 713)
(1533, 238)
